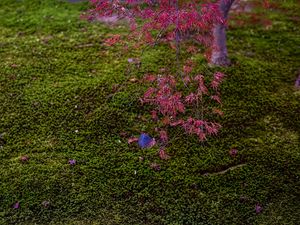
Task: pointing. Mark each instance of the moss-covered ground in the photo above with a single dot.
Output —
(64, 95)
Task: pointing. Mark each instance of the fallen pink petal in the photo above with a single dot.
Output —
(72, 161)
(297, 83)
(130, 60)
(233, 152)
(155, 166)
(132, 140)
(16, 205)
(163, 155)
(258, 208)
(24, 158)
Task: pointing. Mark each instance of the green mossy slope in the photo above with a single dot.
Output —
(64, 95)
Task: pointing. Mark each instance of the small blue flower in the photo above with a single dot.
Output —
(145, 141)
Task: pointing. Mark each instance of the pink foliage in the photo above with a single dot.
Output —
(172, 22)
(174, 18)
(171, 104)
(218, 78)
(163, 155)
(112, 40)
(163, 136)
(132, 139)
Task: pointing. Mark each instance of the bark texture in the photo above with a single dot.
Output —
(219, 54)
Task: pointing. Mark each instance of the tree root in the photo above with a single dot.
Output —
(224, 170)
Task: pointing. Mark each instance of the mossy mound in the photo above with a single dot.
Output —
(64, 95)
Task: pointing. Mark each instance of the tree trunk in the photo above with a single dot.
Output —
(219, 54)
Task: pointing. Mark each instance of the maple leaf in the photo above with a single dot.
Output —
(163, 155)
(132, 139)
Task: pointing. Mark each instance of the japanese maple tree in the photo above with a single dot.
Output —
(176, 19)
(219, 55)
(186, 99)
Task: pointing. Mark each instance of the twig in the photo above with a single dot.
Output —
(226, 170)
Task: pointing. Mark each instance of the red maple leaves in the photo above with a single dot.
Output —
(183, 100)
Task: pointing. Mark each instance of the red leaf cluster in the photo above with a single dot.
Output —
(172, 18)
(170, 104)
(172, 21)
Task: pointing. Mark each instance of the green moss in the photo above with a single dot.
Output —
(64, 95)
